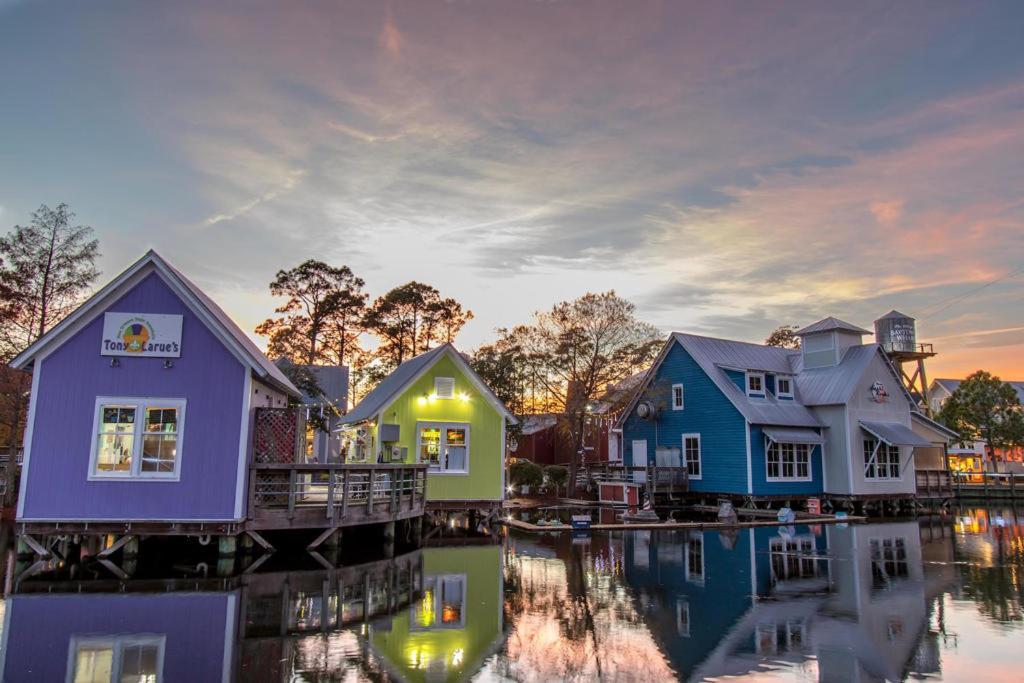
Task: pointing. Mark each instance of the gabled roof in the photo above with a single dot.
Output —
(203, 306)
(714, 356)
(411, 370)
(829, 324)
(332, 380)
(952, 385)
(916, 416)
(834, 385)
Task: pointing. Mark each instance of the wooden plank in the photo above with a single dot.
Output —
(262, 542)
(116, 545)
(36, 546)
(321, 538)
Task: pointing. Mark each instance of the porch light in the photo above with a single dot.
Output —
(463, 396)
(422, 400)
(432, 397)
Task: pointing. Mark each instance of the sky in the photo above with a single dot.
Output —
(728, 167)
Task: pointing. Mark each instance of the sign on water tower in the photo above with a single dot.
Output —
(896, 333)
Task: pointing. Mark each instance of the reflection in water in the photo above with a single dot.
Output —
(938, 599)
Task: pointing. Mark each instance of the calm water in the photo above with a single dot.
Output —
(896, 601)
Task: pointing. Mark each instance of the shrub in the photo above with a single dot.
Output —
(557, 476)
(526, 473)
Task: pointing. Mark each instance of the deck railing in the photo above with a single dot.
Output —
(296, 495)
(656, 477)
(986, 484)
(934, 484)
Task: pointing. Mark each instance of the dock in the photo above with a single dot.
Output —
(988, 485)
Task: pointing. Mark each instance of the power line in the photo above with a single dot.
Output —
(943, 305)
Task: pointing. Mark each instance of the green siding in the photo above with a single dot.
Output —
(486, 442)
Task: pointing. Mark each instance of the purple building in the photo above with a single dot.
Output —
(142, 408)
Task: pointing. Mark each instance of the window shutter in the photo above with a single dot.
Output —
(444, 387)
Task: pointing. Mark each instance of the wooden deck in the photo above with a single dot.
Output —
(315, 496)
(657, 479)
(988, 485)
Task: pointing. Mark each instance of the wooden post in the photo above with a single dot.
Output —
(369, 492)
(292, 474)
(330, 494)
(344, 493)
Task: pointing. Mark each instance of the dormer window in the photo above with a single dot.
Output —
(444, 387)
(755, 384)
(784, 387)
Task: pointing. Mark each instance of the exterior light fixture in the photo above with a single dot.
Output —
(115, 362)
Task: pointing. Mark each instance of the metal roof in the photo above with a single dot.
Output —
(406, 373)
(895, 434)
(952, 385)
(828, 324)
(894, 314)
(332, 380)
(713, 355)
(791, 435)
(833, 385)
(237, 340)
(931, 424)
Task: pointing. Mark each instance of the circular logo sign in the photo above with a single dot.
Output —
(878, 393)
(135, 333)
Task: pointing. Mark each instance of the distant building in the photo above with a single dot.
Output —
(973, 456)
(747, 420)
(323, 444)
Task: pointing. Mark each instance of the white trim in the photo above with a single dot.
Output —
(648, 378)
(442, 425)
(444, 387)
(140, 404)
(768, 443)
(682, 397)
(698, 535)
(778, 392)
(229, 637)
(824, 468)
(854, 488)
(8, 608)
(243, 446)
(746, 384)
(503, 460)
(700, 456)
(26, 442)
(750, 462)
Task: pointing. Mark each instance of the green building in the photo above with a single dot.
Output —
(458, 623)
(435, 409)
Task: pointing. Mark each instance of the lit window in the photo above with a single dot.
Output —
(881, 460)
(691, 454)
(444, 446)
(788, 461)
(138, 659)
(784, 387)
(444, 387)
(677, 397)
(125, 446)
(755, 383)
(443, 604)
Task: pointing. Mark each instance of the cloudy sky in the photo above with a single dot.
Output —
(727, 167)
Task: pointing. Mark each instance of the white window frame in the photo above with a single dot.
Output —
(685, 462)
(437, 581)
(678, 405)
(751, 392)
(140, 404)
(796, 447)
(691, 542)
(443, 426)
(783, 394)
(117, 644)
(683, 617)
(448, 383)
(873, 461)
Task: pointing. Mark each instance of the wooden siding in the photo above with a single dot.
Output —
(206, 375)
(707, 412)
(763, 487)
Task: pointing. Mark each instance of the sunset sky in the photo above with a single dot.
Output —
(727, 167)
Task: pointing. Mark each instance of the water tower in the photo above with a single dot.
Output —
(896, 333)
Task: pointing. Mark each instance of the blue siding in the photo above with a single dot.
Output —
(707, 411)
(738, 378)
(769, 383)
(774, 488)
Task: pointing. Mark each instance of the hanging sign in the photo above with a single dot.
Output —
(147, 335)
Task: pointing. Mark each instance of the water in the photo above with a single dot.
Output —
(902, 600)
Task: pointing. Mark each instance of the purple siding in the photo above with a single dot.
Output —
(206, 375)
(40, 628)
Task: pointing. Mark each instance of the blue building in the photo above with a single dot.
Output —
(746, 420)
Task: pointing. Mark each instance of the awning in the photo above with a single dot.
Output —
(895, 434)
(793, 435)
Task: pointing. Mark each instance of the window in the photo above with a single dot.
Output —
(443, 604)
(682, 618)
(788, 461)
(881, 460)
(888, 561)
(134, 659)
(784, 387)
(444, 446)
(755, 383)
(677, 397)
(695, 558)
(444, 387)
(792, 558)
(137, 438)
(691, 455)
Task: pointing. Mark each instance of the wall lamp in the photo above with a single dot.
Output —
(115, 362)
(168, 364)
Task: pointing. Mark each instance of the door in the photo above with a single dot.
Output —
(640, 460)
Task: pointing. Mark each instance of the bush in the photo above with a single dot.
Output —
(526, 473)
(557, 476)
